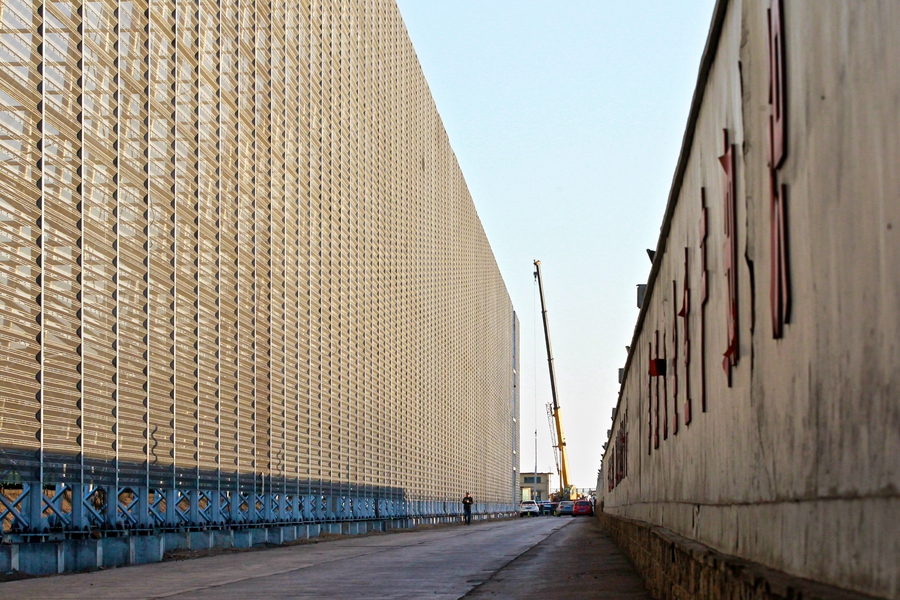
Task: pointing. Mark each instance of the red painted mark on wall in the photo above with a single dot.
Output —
(665, 393)
(674, 357)
(660, 371)
(621, 450)
(611, 473)
(650, 440)
(685, 314)
(657, 406)
(777, 80)
(704, 295)
(625, 445)
(779, 282)
(729, 254)
(618, 467)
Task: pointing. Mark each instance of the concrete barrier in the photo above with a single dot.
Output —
(81, 555)
(6, 559)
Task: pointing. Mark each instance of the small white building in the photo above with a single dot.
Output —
(535, 486)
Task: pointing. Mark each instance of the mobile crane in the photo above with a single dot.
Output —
(567, 491)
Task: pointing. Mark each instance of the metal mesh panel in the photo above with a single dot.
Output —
(186, 242)
(59, 241)
(161, 234)
(209, 373)
(99, 157)
(228, 210)
(131, 247)
(247, 285)
(20, 218)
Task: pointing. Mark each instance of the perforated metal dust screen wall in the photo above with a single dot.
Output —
(237, 254)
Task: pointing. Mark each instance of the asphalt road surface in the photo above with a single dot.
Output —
(538, 557)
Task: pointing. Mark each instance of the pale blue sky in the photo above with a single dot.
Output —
(567, 119)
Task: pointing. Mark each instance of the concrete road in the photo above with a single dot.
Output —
(519, 558)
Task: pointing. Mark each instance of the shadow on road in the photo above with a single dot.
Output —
(578, 561)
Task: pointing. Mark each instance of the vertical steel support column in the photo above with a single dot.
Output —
(236, 499)
(144, 517)
(278, 509)
(194, 514)
(306, 506)
(33, 506)
(268, 498)
(171, 507)
(215, 507)
(111, 508)
(79, 520)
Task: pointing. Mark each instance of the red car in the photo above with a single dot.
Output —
(583, 507)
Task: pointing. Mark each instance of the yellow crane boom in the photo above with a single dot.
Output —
(567, 491)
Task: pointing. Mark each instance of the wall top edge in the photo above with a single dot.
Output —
(706, 61)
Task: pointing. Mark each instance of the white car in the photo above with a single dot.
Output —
(530, 508)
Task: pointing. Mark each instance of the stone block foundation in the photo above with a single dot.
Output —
(677, 568)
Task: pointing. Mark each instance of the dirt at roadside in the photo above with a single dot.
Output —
(15, 576)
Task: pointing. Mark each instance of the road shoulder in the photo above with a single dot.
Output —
(578, 561)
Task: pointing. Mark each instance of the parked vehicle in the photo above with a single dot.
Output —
(547, 507)
(583, 507)
(529, 508)
(565, 507)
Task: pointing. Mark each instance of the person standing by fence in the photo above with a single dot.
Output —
(467, 502)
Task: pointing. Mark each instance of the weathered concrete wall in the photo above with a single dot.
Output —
(796, 463)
